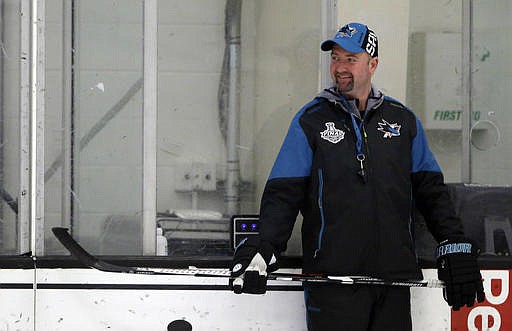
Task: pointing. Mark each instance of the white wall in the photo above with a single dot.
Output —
(390, 21)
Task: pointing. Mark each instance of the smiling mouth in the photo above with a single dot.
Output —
(343, 77)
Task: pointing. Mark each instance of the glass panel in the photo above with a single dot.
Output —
(93, 150)
(491, 153)
(9, 124)
(434, 89)
(492, 79)
(94, 146)
(434, 78)
(197, 164)
(434, 93)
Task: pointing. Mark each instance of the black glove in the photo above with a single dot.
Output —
(252, 261)
(458, 268)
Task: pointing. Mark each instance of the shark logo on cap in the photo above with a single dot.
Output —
(346, 31)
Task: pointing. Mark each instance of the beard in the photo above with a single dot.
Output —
(344, 82)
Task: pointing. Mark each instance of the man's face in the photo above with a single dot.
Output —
(352, 72)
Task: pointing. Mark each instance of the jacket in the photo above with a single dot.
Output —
(356, 181)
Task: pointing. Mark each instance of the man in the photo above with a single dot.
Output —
(355, 162)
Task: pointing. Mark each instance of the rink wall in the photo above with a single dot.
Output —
(85, 299)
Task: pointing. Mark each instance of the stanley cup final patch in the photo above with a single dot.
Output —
(332, 134)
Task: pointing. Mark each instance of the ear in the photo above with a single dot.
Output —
(373, 64)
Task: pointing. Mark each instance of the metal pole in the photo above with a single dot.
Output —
(37, 110)
(2, 130)
(467, 23)
(68, 133)
(149, 129)
(36, 113)
(232, 195)
(23, 228)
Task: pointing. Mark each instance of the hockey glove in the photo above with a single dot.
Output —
(252, 261)
(457, 267)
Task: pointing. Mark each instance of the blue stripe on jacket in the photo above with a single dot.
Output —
(422, 157)
(295, 157)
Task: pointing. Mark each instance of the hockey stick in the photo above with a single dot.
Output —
(91, 261)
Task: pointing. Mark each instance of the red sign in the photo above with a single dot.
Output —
(494, 313)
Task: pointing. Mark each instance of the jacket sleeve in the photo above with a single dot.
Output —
(285, 189)
(431, 195)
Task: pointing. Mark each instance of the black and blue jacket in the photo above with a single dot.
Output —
(356, 181)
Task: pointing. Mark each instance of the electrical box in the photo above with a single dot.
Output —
(243, 226)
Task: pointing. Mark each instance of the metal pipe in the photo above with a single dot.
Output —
(37, 111)
(149, 128)
(68, 134)
(467, 22)
(232, 195)
(23, 226)
(2, 131)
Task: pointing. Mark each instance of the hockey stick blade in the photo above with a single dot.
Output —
(91, 261)
(79, 253)
(83, 256)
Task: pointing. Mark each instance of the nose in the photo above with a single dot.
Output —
(339, 66)
(340, 70)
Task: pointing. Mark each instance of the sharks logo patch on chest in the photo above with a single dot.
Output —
(332, 134)
(390, 129)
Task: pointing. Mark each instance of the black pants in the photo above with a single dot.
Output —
(357, 308)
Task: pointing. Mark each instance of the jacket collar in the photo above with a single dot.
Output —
(375, 99)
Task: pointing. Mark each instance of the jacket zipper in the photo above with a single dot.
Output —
(321, 208)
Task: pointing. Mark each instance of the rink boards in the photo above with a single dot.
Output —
(86, 299)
